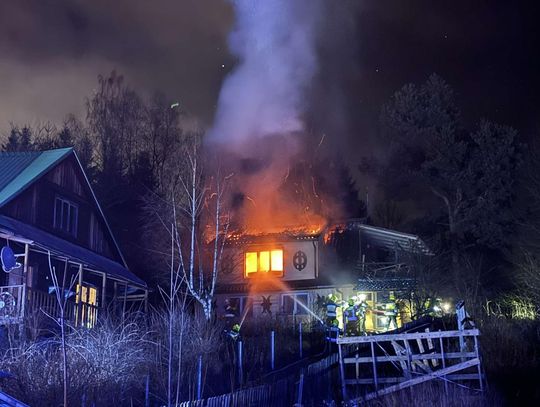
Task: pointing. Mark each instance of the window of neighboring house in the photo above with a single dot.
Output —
(86, 300)
(238, 307)
(96, 235)
(66, 215)
(264, 261)
(295, 304)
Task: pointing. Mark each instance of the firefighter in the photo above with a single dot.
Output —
(362, 313)
(331, 309)
(390, 312)
(234, 333)
(333, 331)
(351, 319)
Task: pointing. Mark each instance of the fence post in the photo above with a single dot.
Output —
(147, 392)
(300, 339)
(300, 390)
(199, 378)
(272, 339)
(240, 368)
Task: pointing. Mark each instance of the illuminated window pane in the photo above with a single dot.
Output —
(264, 261)
(92, 296)
(277, 260)
(251, 262)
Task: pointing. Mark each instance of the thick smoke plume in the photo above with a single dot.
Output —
(259, 120)
(275, 42)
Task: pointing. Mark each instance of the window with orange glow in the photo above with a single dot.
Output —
(264, 261)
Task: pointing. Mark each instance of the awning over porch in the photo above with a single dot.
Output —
(58, 246)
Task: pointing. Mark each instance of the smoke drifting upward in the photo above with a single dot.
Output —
(275, 42)
(259, 120)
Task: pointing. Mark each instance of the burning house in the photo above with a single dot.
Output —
(290, 275)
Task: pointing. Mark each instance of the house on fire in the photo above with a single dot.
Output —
(51, 219)
(289, 275)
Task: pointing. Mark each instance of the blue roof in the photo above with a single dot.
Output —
(57, 245)
(20, 169)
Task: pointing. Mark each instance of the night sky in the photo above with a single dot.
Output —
(52, 52)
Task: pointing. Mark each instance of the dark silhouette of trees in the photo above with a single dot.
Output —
(471, 174)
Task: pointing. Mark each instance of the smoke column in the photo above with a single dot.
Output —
(259, 117)
(275, 42)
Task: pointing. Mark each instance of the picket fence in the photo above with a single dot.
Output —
(306, 388)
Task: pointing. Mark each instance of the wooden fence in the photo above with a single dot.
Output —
(373, 366)
(308, 387)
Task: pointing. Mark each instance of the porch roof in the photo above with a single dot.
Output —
(385, 284)
(57, 245)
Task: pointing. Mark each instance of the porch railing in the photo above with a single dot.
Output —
(16, 303)
(11, 304)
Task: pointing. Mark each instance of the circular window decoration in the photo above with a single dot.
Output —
(300, 260)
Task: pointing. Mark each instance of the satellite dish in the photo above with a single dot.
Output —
(8, 259)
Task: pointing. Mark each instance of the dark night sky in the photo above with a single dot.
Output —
(51, 52)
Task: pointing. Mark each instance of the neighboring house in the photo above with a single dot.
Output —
(50, 218)
(290, 275)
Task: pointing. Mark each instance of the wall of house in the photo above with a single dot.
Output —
(305, 267)
(254, 305)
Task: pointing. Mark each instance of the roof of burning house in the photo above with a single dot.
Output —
(239, 239)
(393, 240)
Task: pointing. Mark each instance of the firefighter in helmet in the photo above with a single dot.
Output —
(362, 314)
(333, 332)
(351, 318)
(390, 312)
(234, 333)
(331, 309)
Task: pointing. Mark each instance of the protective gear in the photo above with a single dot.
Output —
(351, 319)
(362, 313)
(391, 312)
(351, 302)
(234, 333)
(333, 332)
(331, 308)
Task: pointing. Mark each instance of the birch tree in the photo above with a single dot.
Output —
(201, 223)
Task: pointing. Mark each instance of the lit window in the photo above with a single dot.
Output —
(264, 261)
(65, 216)
(87, 300)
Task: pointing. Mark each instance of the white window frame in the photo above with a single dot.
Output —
(275, 273)
(242, 303)
(71, 208)
(295, 303)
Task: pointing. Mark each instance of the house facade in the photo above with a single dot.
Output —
(55, 239)
(290, 276)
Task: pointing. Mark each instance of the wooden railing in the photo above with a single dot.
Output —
(414, 358)
(75, 313)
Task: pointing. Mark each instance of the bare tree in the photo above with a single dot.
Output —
(61, 299)
(207, 226)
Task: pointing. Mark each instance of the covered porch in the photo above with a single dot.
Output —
(53, 273)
